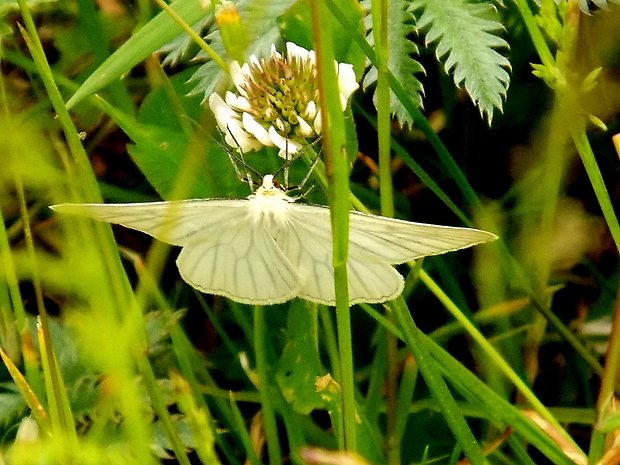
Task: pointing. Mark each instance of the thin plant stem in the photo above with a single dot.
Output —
(380, 23)
(262, 364)
(535, 33)
(83, 175)
(414, 339)
(195, 37)
(337, 170)
(159, 406)
(380, 35)
(55, 387)
(580, 139)
(492, 353)
(609, 383)
(75, 145)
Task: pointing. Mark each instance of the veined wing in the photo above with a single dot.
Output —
(391, 240)
(172, 222)
(241, 262)
(310, 253)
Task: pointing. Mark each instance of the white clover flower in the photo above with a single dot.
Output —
(276, 103)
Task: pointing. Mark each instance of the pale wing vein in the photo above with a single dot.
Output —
(309, 248)
(172, 222)
(390, 240)
(397, 241)
(242, 263)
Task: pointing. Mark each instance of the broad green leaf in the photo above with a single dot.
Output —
(300, 365)
(159, 152)
(147, 40)
(464, 37)
(157, 109)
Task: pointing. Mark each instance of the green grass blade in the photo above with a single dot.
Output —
(420, 172)
(147, 40)
(495, 356)
(53, 384)
(498, 409)
(264, 376)
(91, 25)
(596, 179)
(337, 169)
(414, 339)
(36, 408)
(238, 424)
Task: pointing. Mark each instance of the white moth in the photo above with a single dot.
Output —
(267, 249)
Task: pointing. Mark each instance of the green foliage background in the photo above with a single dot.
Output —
(497, 115)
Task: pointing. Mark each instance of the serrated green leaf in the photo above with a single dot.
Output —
(464, 34)
(260, 20)
(400, 59)
(183, 46)
(147, 40)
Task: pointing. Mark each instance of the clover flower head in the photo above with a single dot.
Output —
(276, 101)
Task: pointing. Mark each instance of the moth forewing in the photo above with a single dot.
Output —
(391, 240)
(175, 222)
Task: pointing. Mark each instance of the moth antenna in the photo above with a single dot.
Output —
(307, 175)
(290, 158)
(303, 194)
(287, 163)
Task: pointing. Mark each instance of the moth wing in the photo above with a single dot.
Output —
(307, 243)
(398, 241)
(392, 240)
(174, 222)
(241, 262)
